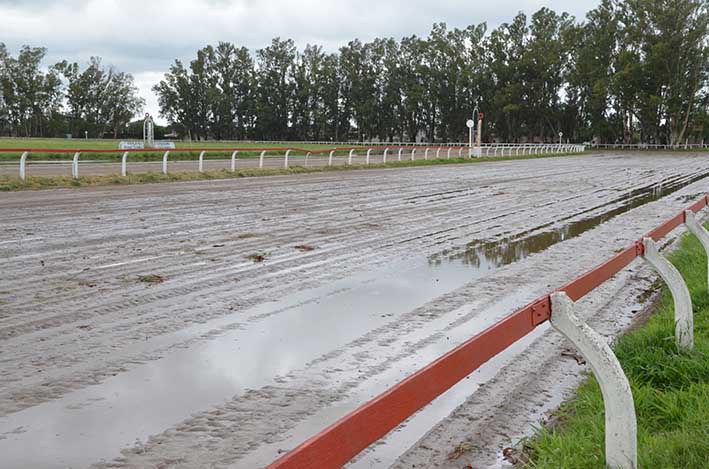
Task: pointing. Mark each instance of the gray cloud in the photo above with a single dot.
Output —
(143, 37)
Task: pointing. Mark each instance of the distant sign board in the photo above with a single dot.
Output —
(131, 145)
(164, 145)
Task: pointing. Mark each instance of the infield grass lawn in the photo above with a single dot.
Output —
(106, 144)
(670, 388)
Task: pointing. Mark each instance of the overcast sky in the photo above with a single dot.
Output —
(144, 37)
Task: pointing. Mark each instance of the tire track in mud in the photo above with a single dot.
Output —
(401, 211)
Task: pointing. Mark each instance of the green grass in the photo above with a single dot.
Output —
(670, 388)
(14, 183)
(107, 144)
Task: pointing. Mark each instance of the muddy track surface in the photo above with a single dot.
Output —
(220, 323)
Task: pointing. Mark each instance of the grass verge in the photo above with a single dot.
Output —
(14, 183)
(670, 388)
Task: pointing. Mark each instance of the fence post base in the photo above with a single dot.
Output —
(684, 319)
(124, 161)
(164, 162)
(621, 423)
(698, 230)
(75, 166)
(23, 164)
(201, 162)
(233, 161)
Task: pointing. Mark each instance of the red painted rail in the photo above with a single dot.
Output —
(340, 442)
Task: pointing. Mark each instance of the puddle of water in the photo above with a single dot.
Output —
(387, 450)
(96, 422)
(508, 250)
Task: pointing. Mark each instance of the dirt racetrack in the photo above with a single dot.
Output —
(220, 323)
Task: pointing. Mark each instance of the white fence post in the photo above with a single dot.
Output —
(425, 154)
(621, 423)
(438, 153)
(164, 162)
(413, 153)
(349, 157)
(306, 159)
(386, 150)
(449, 152)
(285, 160)
(369, 152)
(23, 163)
(684, 319)
(400, 150)
(124, 163)
(329, 160)
(698, 230)
(233, 161)
(75, 166)
(200, 167)
(260, 159)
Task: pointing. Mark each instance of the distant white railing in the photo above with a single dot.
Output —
(648, 146)
(372, 153)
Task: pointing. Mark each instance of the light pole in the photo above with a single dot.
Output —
(561, 134)
(470, 123)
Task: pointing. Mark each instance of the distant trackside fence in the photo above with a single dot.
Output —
(346, 438)
(288, 154)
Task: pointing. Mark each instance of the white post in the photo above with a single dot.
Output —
(329, 160)
(75, 166)
(425, 154)
(386, 150)
(460, 152)
(684, 320)
(438, 153)
(285, 161)
(164, 162)
(400, 150)
(124, 162)
(621, 423)
(23, 162)
(201, 162)
(306, 159)
(449, 153)
(698, 230)
(260, 159)
(349, 158)
(413, 153)
(233, 161)
(369, 152)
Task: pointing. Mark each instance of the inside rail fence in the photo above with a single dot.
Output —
(648, 146)
(294, 156)
(339, 443)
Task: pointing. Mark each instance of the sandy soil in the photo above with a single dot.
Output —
(136, 332)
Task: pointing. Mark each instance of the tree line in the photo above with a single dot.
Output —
(631, 71)
(63, 99)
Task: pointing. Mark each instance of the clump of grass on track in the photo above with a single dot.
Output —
(14, 183)
(670, 388)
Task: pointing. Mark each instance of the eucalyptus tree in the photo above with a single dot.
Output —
(99, 100)
(595, 52)
(31, 97)
(670, 42)
(274, 89)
